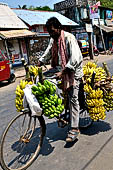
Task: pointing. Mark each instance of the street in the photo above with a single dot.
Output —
(93, 150)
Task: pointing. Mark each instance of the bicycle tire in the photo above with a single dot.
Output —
(84, 119)
(24, 156)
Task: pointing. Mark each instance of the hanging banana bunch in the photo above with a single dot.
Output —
(91, 67)
(95, 103)
(33, 70)
(20, 94)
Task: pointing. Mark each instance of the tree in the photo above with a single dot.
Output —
(22, 7)
(107, 3)
(44, 8)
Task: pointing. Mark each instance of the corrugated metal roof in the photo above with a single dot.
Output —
(16, 33)
(8, 19)
(40, 17)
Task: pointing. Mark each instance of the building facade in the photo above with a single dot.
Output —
(14, 35)
(89, 13)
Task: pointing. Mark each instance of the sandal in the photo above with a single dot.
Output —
(72, 135)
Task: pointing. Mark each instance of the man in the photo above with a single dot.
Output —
(67, 57)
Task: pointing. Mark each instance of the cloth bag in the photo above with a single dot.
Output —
(30, 99)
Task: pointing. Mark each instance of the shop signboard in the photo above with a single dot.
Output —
(82, 36)
(91, 2)
(108, 14)
(94, 13)
(64, 5)
(72, 3)
(89, 28)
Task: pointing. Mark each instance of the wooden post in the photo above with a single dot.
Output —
(20, 48)
(27, 42)
(5, 41)
(106, 69)
(102, 36)
(91, 54)
(90, 36)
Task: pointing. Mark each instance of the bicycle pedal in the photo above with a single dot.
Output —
(24, 140)
(62, 123)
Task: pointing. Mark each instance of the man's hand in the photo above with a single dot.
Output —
(59, 75)
(40, 63)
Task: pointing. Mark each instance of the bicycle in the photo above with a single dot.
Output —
(23, 137)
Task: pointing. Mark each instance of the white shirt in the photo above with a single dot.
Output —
(73, 51)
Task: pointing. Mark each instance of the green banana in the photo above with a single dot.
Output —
(34, 88)
(59, 101)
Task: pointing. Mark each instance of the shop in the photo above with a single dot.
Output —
(107, 33)
(15, 44)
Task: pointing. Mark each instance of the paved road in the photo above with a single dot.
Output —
(93, 150)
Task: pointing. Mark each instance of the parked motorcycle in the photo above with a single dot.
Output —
(95, 51)
(84, 47)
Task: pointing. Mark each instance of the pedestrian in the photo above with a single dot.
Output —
(67, 57)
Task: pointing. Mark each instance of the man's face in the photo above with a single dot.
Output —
(54, 33)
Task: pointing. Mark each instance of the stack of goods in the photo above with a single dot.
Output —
(95, 94)
(19, 94)
(33, 70)
(44, 91)
(95, 102)
(108, 99)
(90, 68)
(48, 99)
(107, 88)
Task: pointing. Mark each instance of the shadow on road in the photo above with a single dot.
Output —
(96, 128)
(55, 134)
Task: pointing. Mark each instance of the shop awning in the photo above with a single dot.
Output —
(16, 34)
(105, 28)
(109, 23)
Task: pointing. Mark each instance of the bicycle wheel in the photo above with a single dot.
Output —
(84, 119)
(21, 141)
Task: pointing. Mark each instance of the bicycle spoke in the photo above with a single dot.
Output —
(21, 142)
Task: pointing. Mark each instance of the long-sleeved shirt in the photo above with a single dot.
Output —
(74, 54)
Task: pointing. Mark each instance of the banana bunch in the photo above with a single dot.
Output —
(96, 94)
(100, 74)
(46, 87)
(108, 99)
(97, 113)
(52, 106)
(112, 78)
(48, 99)
(20, 93)
(91, 67)
(88, 70)
(33, 70)
(95, 103)
(87, 88)
(91, 64)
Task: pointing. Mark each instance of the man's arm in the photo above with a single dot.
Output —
(45, 56)
(75, 55)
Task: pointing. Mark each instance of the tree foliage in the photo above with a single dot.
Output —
(107, 3)
(44, 8)
(22, 7)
